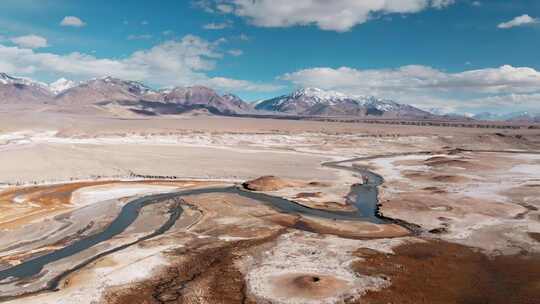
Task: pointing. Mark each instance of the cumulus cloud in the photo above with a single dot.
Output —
(506, 103)
(30, 41)
(442, 3)
(139, 37)
(174, 62)
(428, 87)
(217, 26)
(235, 53)
(72, 21)
(242, 85)
(336, 15)
(225, 8)
(505, 79)
(518, 21)
(243, 37)
(518, 102)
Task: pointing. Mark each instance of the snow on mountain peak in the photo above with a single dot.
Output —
(7, 79)
(61, 85)
(319, 94)
(314, 101)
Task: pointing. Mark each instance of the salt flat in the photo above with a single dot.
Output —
(441, 189)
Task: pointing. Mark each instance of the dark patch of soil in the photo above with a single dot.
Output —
(437, 272)
(450, 179)
(266, 183)
(434, 189)
(535, 236)
(440, 230)
(447, 162)
(308, 194)
(318, 184)
(204, 274)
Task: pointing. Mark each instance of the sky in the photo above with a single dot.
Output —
(455, 56)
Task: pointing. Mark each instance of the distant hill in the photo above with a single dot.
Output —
(318, 102)
(523, 117)
(108, 92)
(23, 91)
(122, 97)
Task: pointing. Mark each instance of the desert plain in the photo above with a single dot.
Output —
(208, 209)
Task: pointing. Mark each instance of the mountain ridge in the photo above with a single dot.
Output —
(318, 102)
(108, 93)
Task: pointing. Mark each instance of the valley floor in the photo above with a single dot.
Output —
(458, 216)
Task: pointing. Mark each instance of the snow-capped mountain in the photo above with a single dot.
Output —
(449, 114)
(6, 79)
(61, 85)
(237, 101)
(314, 101)
(196, 97)
(104, 89)
(15, 90)
(113, 94)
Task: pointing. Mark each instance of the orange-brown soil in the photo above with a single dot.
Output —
(204, 273)
(308, 194)
(268, 183)
(433, 177)
(274, 183)
(45, 200)
(352, 229)
(437, 272)
(53, 199)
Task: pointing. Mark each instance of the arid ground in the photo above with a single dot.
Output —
(239, 210)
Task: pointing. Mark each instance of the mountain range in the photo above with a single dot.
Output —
(113, 93)
(513, 117)
(131, 97)
(317, 102)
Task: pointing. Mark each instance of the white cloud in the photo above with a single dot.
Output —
(225, 8)
(244, 37)
(235, 53)
(518, 102)
(242, 85)
(506, 103)
(217, 26)
(428, 87)
(505, 79)
(174, 62)
(441, 3)
(205, 5)
(518, 21)
(72, 21)
(139, 37)
(30, 41)
(335, 15)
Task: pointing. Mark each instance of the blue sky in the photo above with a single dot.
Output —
(456, 55)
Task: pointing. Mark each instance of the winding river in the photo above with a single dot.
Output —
(366, 203)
